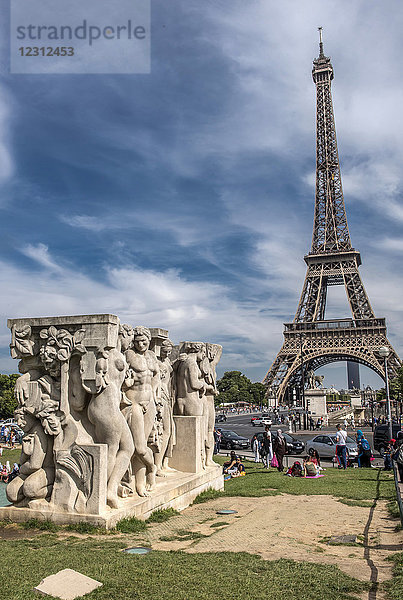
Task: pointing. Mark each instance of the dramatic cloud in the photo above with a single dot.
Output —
(184, 198)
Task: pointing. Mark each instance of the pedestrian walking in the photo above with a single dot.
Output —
(279, 449)
(256, 447)
(267, 447)
(364, 452)
(217, 440)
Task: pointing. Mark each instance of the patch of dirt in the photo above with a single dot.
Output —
(293, 527)
(13, 532)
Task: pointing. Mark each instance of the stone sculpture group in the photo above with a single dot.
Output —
(97, 401)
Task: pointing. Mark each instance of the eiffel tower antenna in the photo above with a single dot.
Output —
(311, 341)
(320, 29)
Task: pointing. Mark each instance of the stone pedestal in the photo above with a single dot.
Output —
(177, 490)
(188, 452)
(316, 402)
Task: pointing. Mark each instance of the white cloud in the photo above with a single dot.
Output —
(39, 254)
(187, 309)
(393, 244)
(6, 161)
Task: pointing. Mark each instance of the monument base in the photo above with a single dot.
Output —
(177, 490)
(316, 402)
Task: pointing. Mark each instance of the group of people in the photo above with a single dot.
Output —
(8, 436)
(271, 450)
(234, 467)
(310, 468)
(315, 425)
(7, 473)
(394, 452)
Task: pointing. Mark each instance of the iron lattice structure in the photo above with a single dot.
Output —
(311, 341)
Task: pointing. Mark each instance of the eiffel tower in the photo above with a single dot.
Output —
(311, 341)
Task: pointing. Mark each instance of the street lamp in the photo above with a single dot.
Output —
(368, 390)
(384, 353)
(303, 383)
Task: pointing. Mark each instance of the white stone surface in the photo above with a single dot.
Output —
(316, 402)
(67, 584)
(177, 490)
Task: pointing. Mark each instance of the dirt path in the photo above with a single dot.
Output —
(294, 527)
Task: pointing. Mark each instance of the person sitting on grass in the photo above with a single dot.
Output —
(310, 469)
(240, 469)
(4, 474)
(315, 458)
(14, 472)
(295, 470)
(231, 463)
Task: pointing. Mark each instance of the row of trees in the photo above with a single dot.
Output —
(8, 403)
(395, 387)
(236, 387)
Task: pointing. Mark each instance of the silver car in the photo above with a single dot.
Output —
(325, 445)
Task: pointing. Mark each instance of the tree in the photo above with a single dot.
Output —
(236, 387)
(8, 403)
(395, 387)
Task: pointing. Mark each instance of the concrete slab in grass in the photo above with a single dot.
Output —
(67, 585)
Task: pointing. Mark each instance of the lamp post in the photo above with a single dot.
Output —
(368, 390)
(303, 384)
(384, 353)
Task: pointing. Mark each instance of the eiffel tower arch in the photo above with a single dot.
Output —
(311, 341)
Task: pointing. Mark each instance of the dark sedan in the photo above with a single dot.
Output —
(232, 441)
(294, 446)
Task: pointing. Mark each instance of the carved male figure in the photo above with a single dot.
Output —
(141, 388)
(190, 385)
(213, 356)
(165, 410)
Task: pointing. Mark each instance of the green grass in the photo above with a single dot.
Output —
(161, 515)
(41, 525)
(394, 587)
(11, 455)
(167, 575)
(207, 495)
(89, 528)
(351, 484)
(183, 535)
(131, 525)
(362, 503)
(219, 524)
(393, 509)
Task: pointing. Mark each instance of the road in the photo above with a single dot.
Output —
(241, 424)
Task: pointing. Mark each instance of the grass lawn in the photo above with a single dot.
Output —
(177, 575)
(395, 587)
(166, 575)
(353, 484)
(11, 455)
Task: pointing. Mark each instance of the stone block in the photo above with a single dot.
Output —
(188, 452)
(67, 584)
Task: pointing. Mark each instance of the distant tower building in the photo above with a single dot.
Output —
(311, 341)
(353, 376)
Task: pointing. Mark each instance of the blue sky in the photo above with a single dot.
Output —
(183, 199)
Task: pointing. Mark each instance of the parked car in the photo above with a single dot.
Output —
(220, 418)
(381, 436)
(325, 445)
(294, 446)
(232, 441)
(261, 422)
